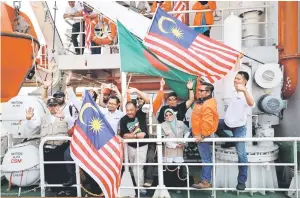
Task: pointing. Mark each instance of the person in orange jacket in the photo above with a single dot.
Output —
(204, 18)
(165, 5)
(204, 120)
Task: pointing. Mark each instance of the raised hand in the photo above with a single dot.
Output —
(190, 84)
(162, 83)
(47, 83)
(68, 79)
(240, 88)
(29, 113)
(132, 90)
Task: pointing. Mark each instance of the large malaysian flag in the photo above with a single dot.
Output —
(183, 48)
(96, 149)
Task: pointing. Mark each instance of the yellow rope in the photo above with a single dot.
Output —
(90, 193)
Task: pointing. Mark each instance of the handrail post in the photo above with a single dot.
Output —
(78, 183)
(296, 166)
(214, 168)
(160, 192)
(42, 168)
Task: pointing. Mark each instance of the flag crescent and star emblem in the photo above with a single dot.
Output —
(85, 106)
(160, 23)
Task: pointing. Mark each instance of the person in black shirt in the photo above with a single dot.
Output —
(133, 126)
(172, 102)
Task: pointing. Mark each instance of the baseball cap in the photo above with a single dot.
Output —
(172, 94)
(52, 102)
(59, 94)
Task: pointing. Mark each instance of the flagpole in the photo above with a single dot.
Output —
(152, 21)
(253, 59)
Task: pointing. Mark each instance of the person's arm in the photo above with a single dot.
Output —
(212, 5)
(153, 8)
(147, 6)
(71, 94)
(46, 85)
(66, 15)
(158, 101)
(191, 99)
(249, 99)
(79, 13)
(168, 6)
(140, 93)
(100, 98)
(93, 15)
(119, 95)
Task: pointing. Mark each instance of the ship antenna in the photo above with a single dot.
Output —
(55, 8)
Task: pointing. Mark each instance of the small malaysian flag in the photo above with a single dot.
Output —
(179, 6)
(87, 29)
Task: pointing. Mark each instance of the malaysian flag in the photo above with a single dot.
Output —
(87, 29)
(96, 149)
(183, 48)
(179, 6)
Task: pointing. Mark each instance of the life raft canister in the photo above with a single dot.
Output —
(105, 40)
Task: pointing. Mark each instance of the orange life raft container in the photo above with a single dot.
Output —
(19, 47)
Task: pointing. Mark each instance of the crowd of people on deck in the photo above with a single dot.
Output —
(131, 123)
(77, 9)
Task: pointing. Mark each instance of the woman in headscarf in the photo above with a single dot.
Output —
(173, 151)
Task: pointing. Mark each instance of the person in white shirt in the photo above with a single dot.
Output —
(112, 114)
(235, 120)
(60, 97)
(76, 10)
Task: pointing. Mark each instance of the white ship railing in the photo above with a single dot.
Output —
(267, 23)
(160, 164)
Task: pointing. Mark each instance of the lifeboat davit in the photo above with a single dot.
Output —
(19, 47)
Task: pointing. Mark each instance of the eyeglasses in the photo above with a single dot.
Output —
(139, 98)
(112, 103)
(172, 99)
(202, 90)
(168, 115)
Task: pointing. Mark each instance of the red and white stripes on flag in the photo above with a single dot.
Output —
(179, 6)
(103, 165)
(205, 57)
(87, 30)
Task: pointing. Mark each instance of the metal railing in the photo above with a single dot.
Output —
(160, 164)
(267, 23)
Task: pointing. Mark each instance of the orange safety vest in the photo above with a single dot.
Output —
(209, 17)
(166, 6)
(205, 118)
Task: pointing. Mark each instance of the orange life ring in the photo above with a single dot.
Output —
(108, 39)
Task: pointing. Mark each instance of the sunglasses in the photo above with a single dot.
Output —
(202, 90)
(52, 105)
(139, 98)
